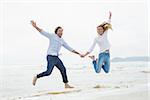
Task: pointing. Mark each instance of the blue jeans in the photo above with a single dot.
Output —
(51, 62)
(103, 62)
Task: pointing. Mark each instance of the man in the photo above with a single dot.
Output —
(55, 43)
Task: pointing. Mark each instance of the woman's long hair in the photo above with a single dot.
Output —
(106, 26)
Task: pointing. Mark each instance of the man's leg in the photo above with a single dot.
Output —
(50, 66)
(62, 69)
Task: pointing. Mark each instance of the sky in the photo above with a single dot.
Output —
(20, 43)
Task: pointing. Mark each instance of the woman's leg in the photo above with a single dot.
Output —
(106, 65)
(98, 64)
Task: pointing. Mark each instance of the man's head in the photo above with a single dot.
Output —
(59, 31)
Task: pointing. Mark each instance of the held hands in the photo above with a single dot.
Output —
(82, 55)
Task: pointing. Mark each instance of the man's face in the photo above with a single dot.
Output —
(60, 32)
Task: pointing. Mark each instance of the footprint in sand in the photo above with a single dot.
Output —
(145, 71)
(100, 86)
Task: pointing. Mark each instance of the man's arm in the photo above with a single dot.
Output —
(76, 52)
(70, 49)
(46, 34)
(34, 25)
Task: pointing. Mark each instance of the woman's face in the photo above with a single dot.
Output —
(100, 30)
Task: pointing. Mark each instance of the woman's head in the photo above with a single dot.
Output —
(59, 31)
(103, 27)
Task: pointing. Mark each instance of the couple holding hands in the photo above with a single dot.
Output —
(56, 42)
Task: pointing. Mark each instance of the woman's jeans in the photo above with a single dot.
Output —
(102, 62)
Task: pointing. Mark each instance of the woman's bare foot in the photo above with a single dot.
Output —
(34, 80)
(92, 57)
(68, 86)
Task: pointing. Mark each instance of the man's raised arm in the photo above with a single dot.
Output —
(34, 25)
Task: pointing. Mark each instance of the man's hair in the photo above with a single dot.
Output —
(56, 29)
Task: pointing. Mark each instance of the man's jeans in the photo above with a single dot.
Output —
(51, 62)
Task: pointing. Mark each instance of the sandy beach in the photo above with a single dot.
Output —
(115, 31)
(126, 81)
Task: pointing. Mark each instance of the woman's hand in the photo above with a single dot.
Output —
(110, 14)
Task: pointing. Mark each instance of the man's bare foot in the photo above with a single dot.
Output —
(68, 86)
(97, 86)
(34, 80)
(92, 57)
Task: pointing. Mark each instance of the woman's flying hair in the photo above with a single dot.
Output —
(106, 26)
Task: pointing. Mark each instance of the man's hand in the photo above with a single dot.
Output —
(82, 55)
(33, 23)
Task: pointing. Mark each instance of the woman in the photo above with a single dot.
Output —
(103, 60)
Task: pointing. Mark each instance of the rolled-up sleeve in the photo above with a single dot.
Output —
(65, 45)
(46, 34)
(92, 46)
